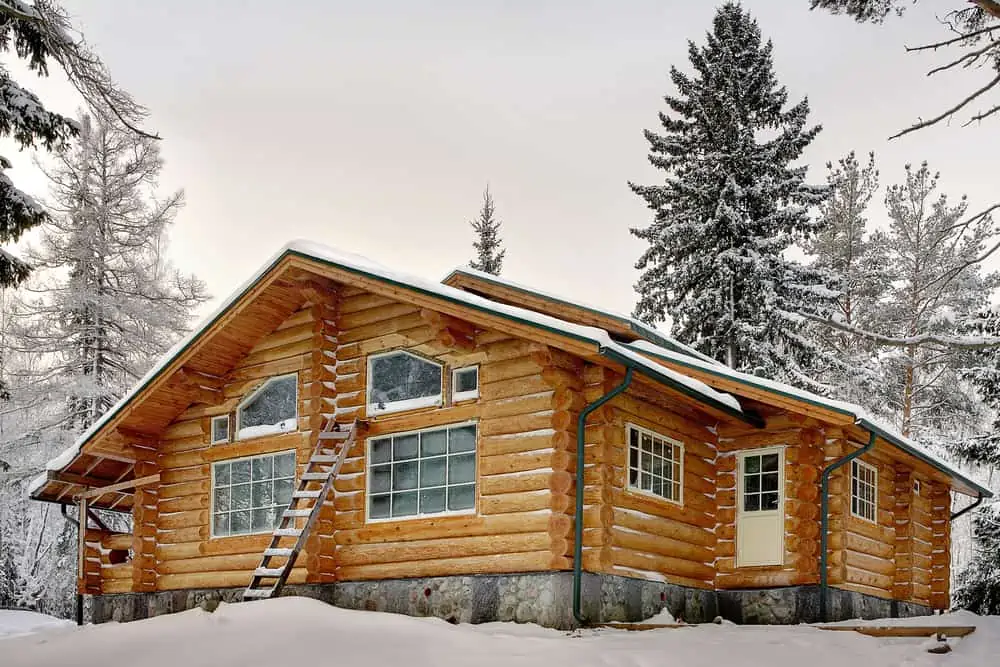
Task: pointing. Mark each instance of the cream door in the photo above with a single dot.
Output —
(760, 516)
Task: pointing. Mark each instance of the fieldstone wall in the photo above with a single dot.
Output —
(543, 598)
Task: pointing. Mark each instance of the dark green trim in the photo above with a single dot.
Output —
(824, 518)
(889, 437)
(966, 510)
(581, 428)
(640, 329)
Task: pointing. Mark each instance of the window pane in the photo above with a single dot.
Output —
(381, 479)
(467, 380)
(633, 438)
(633, 452)
(220, 429)
(751, 483)
(263, 520)
(432, 501)
(769, 482)
(405, 447)
(433, 443)
(404, 476)
(645, 481)
(633, 476)
(404, 504)
(433, 472)
(380, 507)
(751, 502)
(462, 468)
(263, 468)
(462, 439)
(400, 376)
(461, 497)
(769, 462)
(751, 464)
(241, 497)
(769, 501)
(658, 448)
(381, 450)
(221, 473)
(222, 500)
(647, 444)
(240, 471)
(284, 465)
(283, 491)
(261, 495)
(240, 522)
(221, 525)
(274, 403)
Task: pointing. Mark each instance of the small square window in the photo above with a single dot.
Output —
(465, 383)
(220, 429)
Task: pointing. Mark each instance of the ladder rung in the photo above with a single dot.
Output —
(313, 476)
(323, 458)
(278, 551)
(291, 514)
(287, 532)
(334, 435)
(330, 452)
(271, 572)
(257, 593)
(305, 493)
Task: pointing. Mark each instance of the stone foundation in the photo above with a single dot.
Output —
(543, 598)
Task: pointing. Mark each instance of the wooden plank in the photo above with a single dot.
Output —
(637, 627)
(904, 630)
(128, 484)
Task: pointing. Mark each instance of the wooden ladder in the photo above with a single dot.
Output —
(323, 466)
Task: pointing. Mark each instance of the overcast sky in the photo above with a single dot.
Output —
(374, 126)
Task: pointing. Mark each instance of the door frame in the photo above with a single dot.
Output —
(740, 457)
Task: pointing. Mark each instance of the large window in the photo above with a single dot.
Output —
(402, 381)
(423, 472)
(272, 408)
(249, 495)
(864, 491)
(761, 477)
(655, 464)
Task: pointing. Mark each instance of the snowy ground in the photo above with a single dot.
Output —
(298, 631)
(17, 623)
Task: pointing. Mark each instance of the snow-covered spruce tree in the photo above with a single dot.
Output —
(844, 247)
(488, 245)
(937, 286)
(110, 300)
(731, 204)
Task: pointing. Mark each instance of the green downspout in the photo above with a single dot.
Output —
(977, 503)
(581, 423)
(824, 513)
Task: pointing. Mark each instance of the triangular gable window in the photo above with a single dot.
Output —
(402, 381)
(271, 409)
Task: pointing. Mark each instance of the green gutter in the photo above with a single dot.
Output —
(581, 425)
(965, 510)
(824, 518)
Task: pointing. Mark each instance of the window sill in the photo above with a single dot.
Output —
(652, 496)
(418, 517)
(261, 534)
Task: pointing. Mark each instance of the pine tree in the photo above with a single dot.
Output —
(845, 248)
(731, 204)
(112, 302)
(488, 245)
(937, 287)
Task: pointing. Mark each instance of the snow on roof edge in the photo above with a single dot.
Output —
(352, 261)
(859, 413)
(642, 327)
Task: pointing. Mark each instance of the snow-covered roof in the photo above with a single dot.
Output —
(356, 263)
(861, 416)
(640, 328)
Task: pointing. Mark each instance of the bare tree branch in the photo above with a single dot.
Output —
(949, 112)
(934, 341)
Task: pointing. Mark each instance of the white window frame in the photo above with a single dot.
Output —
(858, 464)
(235, 435)
(429, 515)
(373, 410)
(211, 495)
(229, 433)
(630, 426)
(458, 396)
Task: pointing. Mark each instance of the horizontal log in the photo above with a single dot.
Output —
(518, 367)
(424, 529)
(240, 578)
(116, 571)
(858, 576)
(184, 503)
(532, 561)
(117, 541)
(221, 563)
(529, 481)
(660, 545)
(518, 423)
(762, 579)
(529, 501)
(663, 564)
(520, 386)
(494, 465)
(870, 564)
(109, 586)
(189, 474)
(451, 547)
